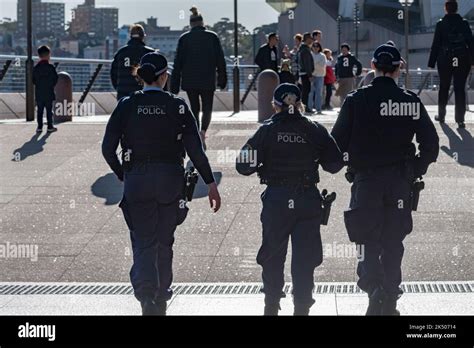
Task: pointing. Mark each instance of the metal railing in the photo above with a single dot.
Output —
(81, 71)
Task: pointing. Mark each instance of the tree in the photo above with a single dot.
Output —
(225, 30)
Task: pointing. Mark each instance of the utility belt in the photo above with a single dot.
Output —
(403, 165)
(152, 159)
(417, 186)
(326, 199)
(129, 160)
(288, 182)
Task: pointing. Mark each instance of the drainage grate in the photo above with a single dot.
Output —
(217, 288)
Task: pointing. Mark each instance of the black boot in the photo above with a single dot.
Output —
(271, 309)
(160, 307)
(150, 307)
(389, 306)
(302, 309)
(376, 298)
(439, 119)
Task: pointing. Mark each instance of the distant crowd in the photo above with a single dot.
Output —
(312, 67)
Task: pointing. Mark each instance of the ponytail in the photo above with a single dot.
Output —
(147, 73)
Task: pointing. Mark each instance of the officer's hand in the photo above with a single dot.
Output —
(214, 197)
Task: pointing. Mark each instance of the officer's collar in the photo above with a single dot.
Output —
(383, 79)
(135, 41)
(152, 88)
(452, 15)
(198, 27)
(285, 114)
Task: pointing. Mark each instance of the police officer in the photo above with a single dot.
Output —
(375, 130)
(286, 152)
(453, 51)
(123, 70)
(155, 128)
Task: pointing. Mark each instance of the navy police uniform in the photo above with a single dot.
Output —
(155, 129)
(375, 128)
(288, 150)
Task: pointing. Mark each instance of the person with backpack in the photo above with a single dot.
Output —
(453, 53)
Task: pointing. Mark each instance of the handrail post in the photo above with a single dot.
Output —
(30, 98)
(4, 70)
(90, 83)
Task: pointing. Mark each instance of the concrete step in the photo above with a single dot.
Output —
(421, 298)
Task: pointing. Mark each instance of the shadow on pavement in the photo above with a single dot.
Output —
(108, 187)
(461, 148)
(32, 147)
(202, 190)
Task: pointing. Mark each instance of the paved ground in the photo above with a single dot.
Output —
(60, 196)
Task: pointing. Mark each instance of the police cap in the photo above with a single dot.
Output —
(286, 94)
(387, 55)
(155, 61)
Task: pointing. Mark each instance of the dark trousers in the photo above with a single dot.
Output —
(327, 103)
(41, 105)
(305, 90)
(206, 98)
(379, 218)
(447, 73)
(150, 207)
(381, 266)
(289, 212)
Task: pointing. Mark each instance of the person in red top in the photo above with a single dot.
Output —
(329, 79)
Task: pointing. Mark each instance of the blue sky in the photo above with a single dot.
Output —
(252, 12)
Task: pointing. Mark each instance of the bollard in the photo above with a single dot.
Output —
(63, 106)
(268, 81)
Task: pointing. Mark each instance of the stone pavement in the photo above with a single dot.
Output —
(57, 194)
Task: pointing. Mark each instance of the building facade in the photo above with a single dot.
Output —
(47, 19)
(162, 38)
(380, 21)
(87, 18)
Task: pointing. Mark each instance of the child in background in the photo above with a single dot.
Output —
(285, 74)
(329, 79)
(44, 79)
